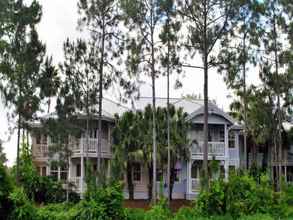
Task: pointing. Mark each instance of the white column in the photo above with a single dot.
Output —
(187, 177)
(226, 162)
(82, 170)
(237, 148)
(69, 169)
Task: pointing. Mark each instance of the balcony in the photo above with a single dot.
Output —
(214, 148)
(40, 151)
(89, 146)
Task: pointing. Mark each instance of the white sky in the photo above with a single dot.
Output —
(59, 22)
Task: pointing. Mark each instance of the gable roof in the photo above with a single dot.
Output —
(193, 107)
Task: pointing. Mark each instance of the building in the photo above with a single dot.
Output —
(224, 146)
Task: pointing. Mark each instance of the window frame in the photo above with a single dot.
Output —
(135, 171)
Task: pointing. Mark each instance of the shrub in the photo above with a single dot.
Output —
(60, 211)
(103, 203)
(5, 189)
(159, 211)
(134, 214)
(212, 202)
(22, 207)
(185, 213)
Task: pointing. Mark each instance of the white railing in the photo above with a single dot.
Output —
(89, 145)
(77, 183)
(233, 153)
(41, 151)
(195, 185)
(214, 148)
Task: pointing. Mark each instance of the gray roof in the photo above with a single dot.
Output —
(188, 105)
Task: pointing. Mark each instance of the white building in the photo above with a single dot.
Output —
(224, 146)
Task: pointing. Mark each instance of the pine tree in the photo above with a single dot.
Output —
(21, 64)
(207, 23)
(101, 19)
(142, 18)
(239, 49)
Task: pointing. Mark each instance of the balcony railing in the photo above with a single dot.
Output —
(195, 185)
(76, 182)
(214, 148)
(89, 145)
(40, 151)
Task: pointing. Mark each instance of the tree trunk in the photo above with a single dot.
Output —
(129, 181)
(168, 116)
(172, 180)
(150, 185)
(100, 100)
(153, 73)
(17, 147)
(245, 102)
(205, 127)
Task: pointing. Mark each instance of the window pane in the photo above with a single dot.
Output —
(63, 175)
(44, 171)
(78, 170)
(136, 172)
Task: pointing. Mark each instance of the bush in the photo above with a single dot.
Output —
(5, 189)
(242, 195)
(212, 202)
(60, 211)
(134, 214)
(22, 207)
(159, 212)
(103, 203)
(185, 213)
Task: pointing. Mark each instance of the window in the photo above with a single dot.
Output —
(176, 175)
(222, 135)
(159, 175)
(44, 171)
(78, 170)
(54, 172)
(63, 173)
(38, 138)
(44, 139)
(231, 140)
(136, 172)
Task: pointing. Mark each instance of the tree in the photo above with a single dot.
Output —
(127, 145)
(239, 49)
(102, 19)
(3, 158)
(207, 22)
(170, 61)
(21, 64)
(179, 145)
(143, 20)
(274, 70)
(132, 138)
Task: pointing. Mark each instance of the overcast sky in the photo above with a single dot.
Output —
(59, 22)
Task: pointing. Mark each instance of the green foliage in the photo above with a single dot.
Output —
(22, 206)
(103, 203)
(159, 211)
(212, 202)
(242, 195)
(5, 189)
(60, 211)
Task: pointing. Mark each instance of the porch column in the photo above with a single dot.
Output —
(69, 169)
(237, 149)
(188, 178)
(82, 170)
(226, 162)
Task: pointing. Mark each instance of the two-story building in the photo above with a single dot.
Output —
(224, 146)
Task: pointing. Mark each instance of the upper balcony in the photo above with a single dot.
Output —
(78, 147)
(214, 149)
(89, 147)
